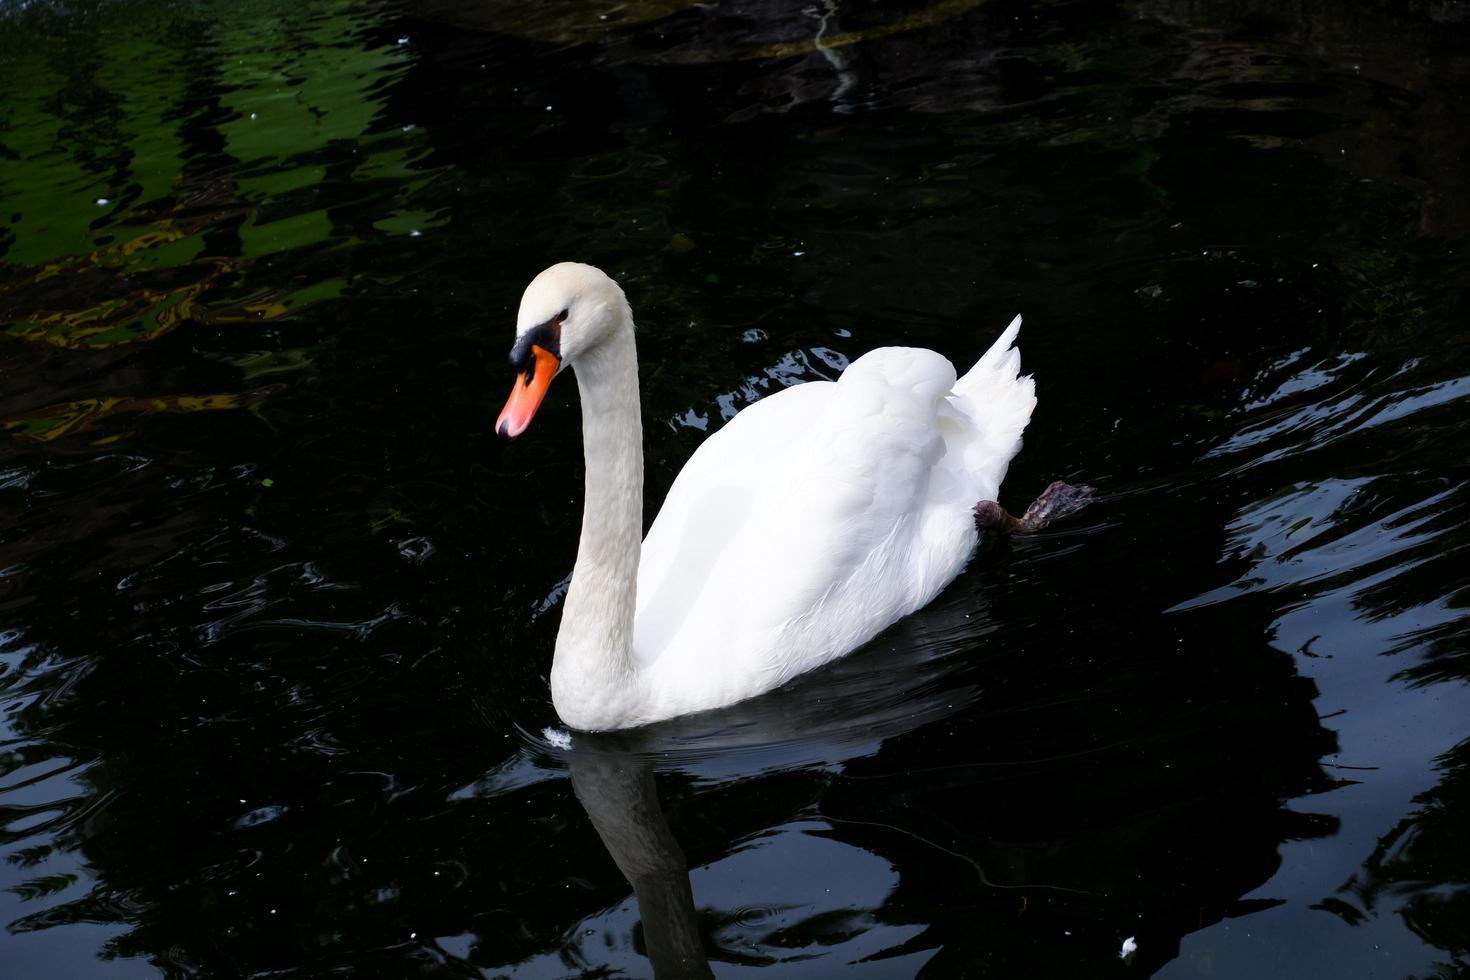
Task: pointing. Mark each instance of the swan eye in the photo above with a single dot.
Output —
(546, 335)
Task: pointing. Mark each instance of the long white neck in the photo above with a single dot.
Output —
(594, 681)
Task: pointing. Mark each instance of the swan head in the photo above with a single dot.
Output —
(566, 313)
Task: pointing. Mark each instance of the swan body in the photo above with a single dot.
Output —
(810, 522)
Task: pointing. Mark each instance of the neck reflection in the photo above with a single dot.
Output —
(616, 788)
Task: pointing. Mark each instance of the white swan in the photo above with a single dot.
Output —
(814, 519)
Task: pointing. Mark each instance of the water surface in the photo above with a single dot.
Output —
(277, 608)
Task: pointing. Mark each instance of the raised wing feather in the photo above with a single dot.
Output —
(767, 528)
(985, 416)
(715, 501)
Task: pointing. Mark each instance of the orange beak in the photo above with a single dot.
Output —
(525, 397)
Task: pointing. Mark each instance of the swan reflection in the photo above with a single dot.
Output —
(814, 889)
(616, 788)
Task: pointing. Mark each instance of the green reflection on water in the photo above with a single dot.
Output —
(98, 180)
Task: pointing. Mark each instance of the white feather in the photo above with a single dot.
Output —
(818, 517)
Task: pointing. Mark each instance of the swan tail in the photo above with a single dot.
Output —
(999, 401)
(998, 367)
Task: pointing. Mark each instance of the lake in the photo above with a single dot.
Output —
(277, 606)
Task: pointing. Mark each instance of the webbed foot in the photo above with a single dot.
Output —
(1056, 501)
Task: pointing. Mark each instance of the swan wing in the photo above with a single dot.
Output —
(784, 504)
(819, 516)
(719, 500)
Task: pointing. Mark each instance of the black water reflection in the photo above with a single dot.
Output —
(276, 606)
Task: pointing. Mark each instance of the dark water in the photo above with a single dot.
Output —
(276, 607)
